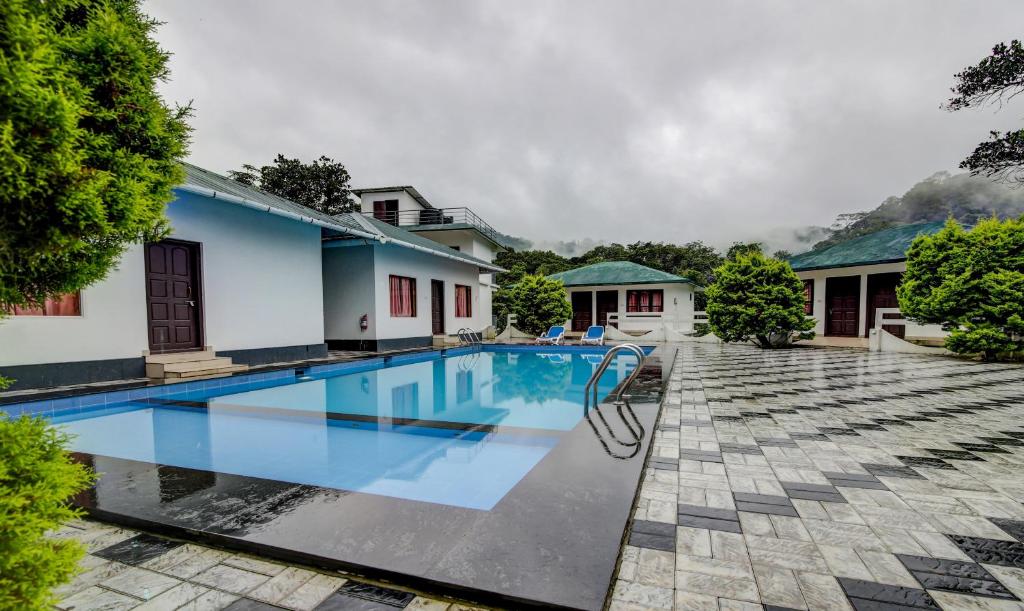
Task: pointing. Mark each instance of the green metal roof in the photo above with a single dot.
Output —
(615, 272)
(886, 246)
(387, 230)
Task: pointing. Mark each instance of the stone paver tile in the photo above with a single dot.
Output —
(282, 584)
(140, 583)
(255, 565)
(174, 556)
(822, 591)
(196, 563)
(656, 568)
(642, 594)
(313, 592)
(213, 600)
(717, 585)
(421, 603)
(789, 528)
(844, 535)
(844, 562)
(786, 554)
(693, 541)
(809, 510)
(711, 566)
(231, 579)
(108, 538)
(959, 602)
(91, 577)
(662, 511)
(887, 568)
(174, 598)
(901, 541)
(939, 546)
(756, 524)
(1012, 578)
(842, 512)
(690, 601)
(98, 599)
(725, 604)
(779, 587)
(728, 546)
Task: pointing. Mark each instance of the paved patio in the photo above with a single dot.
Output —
(830, 479)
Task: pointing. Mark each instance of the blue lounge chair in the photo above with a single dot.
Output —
(594, 335)
(554, 335)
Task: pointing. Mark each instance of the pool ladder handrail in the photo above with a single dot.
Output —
(469, 337)
(637, 433)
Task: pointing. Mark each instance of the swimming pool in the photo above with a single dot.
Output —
(460, 429)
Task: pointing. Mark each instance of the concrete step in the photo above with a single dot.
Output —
(162, 370)
(205, 373)
(180, 357)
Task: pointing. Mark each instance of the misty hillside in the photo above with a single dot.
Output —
(965, 197)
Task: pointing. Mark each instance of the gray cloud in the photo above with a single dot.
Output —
(619, 121)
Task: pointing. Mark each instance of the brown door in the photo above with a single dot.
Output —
(882, 294)
(607, 301)
(581, 310)
(437, 307)
(842, 300)
(172, 296)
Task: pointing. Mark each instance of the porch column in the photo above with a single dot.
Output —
(862, 308)
(593, 305)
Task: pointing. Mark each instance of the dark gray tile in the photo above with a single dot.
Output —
(886, 595)
(248, 604)
(954, 454)
(864, 477)
(138, 549)
(891, 471)
(981, 447)
(941, 566)
(668, 544)
(378, 594)
(708, 512)
(737, 448)
(964, 585)
(925, 462)
(810, 495)
(991, 551)
(787, 486)
(775, 443)
(710, 523)
(343, 602)
(1014, 528)
(779, 510)
(768, 499)
(856, 483)
(654, 528)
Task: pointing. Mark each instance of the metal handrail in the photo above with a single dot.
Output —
(592, 386)
(432, 217)
(469, 337)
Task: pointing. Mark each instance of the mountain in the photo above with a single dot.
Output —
(964, 197)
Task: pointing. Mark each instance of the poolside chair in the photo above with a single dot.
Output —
(594, 335)
(554, 335)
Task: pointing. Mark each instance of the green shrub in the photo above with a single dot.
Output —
(971, 283)
(536, 301)
(37, 477)
(757, 298)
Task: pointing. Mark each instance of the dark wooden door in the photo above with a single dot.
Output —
(607, 301)
(842, 301)
(437, 307)
(172, 296)
(882, 294)
(582, 313)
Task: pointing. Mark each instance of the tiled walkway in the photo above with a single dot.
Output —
(831, 479)
(128, 570)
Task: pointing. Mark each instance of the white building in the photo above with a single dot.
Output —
(846, 284)
(641, 298)
(254, 278)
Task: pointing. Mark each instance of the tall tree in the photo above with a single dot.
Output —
(88, 149)
(323, 185)
(995, 79)
(522, 262)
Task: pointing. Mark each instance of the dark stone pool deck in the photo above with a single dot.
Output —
(553, 541)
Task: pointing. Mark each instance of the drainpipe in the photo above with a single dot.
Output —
(277, 211)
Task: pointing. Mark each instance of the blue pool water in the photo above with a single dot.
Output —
(460, 430)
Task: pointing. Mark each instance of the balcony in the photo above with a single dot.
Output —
(438, 218)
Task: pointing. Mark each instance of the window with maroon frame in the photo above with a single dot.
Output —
(463, 301)
(808, 297)
(645, 301)
(386, 210)
(402, 296)
(63, 305)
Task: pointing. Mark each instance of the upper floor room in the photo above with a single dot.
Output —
(457, 227)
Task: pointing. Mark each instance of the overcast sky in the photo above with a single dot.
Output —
(616, 121)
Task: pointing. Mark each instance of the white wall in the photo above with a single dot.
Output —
(112, 324)
(678, 306)
(356, 280)
(820, 275)
(261, 274)
(262, 288)
(405, 201)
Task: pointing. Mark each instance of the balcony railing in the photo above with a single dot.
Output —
(437, 216)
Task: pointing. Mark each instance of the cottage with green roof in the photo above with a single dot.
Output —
(638, 298)
(850, 286)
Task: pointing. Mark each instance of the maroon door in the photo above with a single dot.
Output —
(842, 300)
(607, 301)
(882, 294)
(581, 310)
(437, 307)
(172, 295)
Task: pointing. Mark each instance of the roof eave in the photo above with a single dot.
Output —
(841, 265)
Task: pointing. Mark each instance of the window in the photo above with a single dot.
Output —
(645, 301)
(64, 305)
(386, 210)
(463, 301)
(808, 297)
(403, 297)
